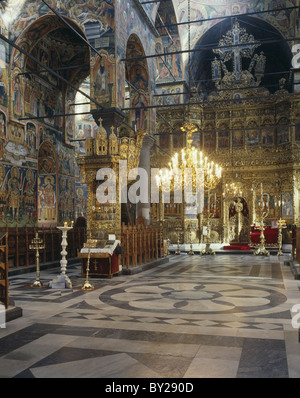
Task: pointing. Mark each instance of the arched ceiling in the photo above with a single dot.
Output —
(272, 44)
(56, 46)
(211, 12)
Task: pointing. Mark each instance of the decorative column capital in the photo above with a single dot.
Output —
(148, 141)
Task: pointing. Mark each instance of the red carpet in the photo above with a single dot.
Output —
(237, 247)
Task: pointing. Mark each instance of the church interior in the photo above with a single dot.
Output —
(150, 189)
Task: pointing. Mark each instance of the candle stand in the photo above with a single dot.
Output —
(281, 225)
(62, 281)
(87, 285)
(37, 244)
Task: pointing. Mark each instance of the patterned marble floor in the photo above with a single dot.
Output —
(194, 317)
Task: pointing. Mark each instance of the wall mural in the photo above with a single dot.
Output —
(47, 184)
(138, 77)
(129, 25)
(168, 66)
(3, 131)
(18, 196)
(47, 198)
(169, 95)
(102, 81)
(40, 95)
(69, 125)
(66, 204)
(283, 20)
(3, 75)
(80, 201)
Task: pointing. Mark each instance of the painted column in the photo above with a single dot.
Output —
(143, 209)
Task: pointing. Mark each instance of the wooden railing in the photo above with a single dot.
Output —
(142, 244)
(19, 240)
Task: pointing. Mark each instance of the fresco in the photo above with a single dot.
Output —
(103, 80)
(18, 196)
(47, 184)
(38, 145)
(3, 124)
(138, 78)
(140, 115)
(47, 159)
(66, 161)
(201, 10)
(84, 128)
(151, 10)
(69, 120)
(31, 139)
(66, 204)
(132, 25)
(170, 94)
(169, 67)
(25, 12)
(31, 145)
(47, 198)
(80, 201)
(3, 75)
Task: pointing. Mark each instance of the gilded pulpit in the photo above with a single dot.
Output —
(107, 158)
(100, 170)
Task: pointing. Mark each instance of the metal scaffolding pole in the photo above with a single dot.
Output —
(37, 72)
(158, 114)
(209, 47)
(53, 116)
(230, 16)
(201, 102)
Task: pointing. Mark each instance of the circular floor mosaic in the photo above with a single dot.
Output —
(194, 297)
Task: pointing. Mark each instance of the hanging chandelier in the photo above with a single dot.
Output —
(232, 191)
(191, 157)
(194, 159)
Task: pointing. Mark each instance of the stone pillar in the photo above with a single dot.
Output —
(143, 209)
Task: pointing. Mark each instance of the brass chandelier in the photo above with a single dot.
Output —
(205, 174)
(191, 157)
